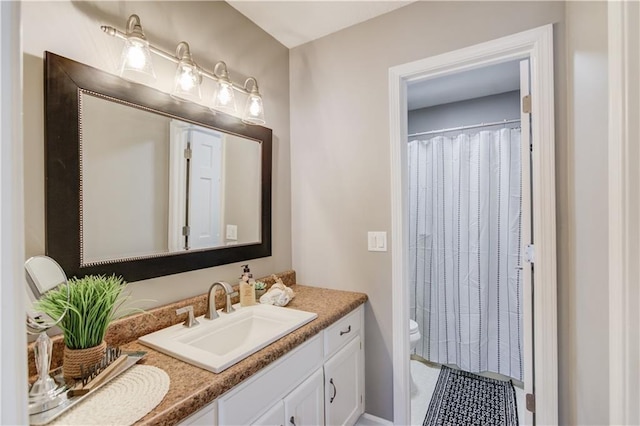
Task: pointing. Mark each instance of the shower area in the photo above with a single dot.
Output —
(464, 239)
(465, 221)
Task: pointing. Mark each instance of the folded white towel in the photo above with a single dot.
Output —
(278, 295)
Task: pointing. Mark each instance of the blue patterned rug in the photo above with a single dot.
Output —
(462, 398)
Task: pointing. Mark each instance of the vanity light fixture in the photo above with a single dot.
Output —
(224, 98)
(253, 110)
(136, 65)
(188, 78)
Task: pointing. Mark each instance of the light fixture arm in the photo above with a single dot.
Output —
(224, 74)
(134, 22)
(134, 27)
(183, 52)
(254, 90)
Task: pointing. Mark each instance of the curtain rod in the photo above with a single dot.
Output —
(452, 129)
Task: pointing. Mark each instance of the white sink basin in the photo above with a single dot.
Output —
(216, 345)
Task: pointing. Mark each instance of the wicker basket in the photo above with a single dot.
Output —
(74, 358)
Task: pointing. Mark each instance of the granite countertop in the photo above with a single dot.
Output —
(192, 388)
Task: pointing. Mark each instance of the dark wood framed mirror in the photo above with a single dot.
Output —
(142, 185)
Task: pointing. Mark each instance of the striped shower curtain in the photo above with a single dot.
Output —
(464, 237)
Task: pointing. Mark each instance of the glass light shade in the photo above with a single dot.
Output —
(253, 110)
(224, 98)
(187, 82)
(135, 63)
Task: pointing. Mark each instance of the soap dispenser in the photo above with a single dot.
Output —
(247, 287)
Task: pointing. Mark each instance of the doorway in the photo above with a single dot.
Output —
(536, 46)
(469, 221)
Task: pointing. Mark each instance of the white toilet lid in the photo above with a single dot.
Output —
(413, 326)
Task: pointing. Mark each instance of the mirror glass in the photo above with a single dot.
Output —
(142, 185)
(42, 274)
(154, 185)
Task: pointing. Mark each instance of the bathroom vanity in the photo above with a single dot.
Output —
(314, 375)
(319, 382)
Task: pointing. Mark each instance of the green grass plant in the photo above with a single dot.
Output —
(94, 301)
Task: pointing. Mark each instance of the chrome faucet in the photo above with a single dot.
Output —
(211, 299)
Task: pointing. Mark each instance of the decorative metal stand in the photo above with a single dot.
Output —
(45, 392)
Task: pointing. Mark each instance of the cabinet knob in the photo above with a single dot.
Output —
(345, 332)
(292, 420)
(335, 392)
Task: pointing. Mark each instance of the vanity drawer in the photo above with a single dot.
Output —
(342, 331)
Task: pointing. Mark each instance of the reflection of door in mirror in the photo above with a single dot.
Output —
(152, 184)
(205, 189)
(214, 197)
(196, 193)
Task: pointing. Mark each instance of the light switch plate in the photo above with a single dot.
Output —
(232, 232)
(377, 241)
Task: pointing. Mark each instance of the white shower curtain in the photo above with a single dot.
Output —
(464, 236)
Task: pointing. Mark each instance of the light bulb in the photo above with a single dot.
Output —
(136, 56)
(224, 99)
(187, 79)
(224, 95)
(253, 110)
(136, 61)
(187, 82)
(255, 107)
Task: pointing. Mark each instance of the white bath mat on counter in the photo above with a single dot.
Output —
(123, 401)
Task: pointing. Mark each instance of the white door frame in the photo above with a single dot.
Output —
(536, 44)
(178, 131)
(13, 363)
(624, 198)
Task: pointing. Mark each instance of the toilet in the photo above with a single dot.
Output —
(414, 337)
(414, 334)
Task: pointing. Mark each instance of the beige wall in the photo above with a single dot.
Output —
(215, 32)
(341, 185)
(583, 217)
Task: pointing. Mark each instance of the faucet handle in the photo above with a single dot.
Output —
(228, 306)
(190, 321)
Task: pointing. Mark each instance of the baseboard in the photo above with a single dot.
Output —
(371, 420)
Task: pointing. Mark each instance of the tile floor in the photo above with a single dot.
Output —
(423, 383)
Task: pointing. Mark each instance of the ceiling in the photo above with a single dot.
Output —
(293, 23)
(491, 80)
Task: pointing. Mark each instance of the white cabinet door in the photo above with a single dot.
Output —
(305, 404)
(273, 417)
(344, 377)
